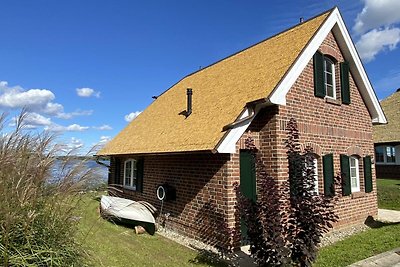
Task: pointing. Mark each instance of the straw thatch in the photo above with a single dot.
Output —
(220, 93)
(389, 132)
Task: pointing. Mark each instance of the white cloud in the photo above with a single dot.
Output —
(37, 119)
(52, 109)
(104, 139)
(32, 120)
(376, 41)
(14, 97)
(104, 127)
(73, 146)
(70, 128)
(35, 100)
(131, 116)
(87, 92)
(377, 13)
(376, 27)
(70, 115)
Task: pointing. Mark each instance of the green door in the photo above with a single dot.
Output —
(247, 183)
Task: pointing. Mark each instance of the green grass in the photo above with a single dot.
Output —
(110, 245)
(113, 245)
(371, 242)
(360, 246)
(388, 194)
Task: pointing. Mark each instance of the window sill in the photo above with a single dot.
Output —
(387, 163)
(130, 188)
(332, 101)
(356, 195)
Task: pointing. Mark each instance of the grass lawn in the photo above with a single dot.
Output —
(360, 246)
(112, 245)
(371, 242)
(388, 194)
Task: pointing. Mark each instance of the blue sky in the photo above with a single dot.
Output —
(84, 68)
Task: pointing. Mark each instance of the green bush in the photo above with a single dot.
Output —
(38, 199)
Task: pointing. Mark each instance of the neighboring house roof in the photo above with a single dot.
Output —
(389, 132)
(265, 71)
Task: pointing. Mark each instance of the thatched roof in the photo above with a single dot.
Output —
(220, 92)
(389, 132)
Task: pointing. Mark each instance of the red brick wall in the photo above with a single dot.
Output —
(327, 126)
(200, 179)
(205, 203)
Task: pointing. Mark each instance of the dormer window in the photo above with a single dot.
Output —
(329, 78)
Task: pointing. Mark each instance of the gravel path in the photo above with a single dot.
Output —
(328, 239)
(340, 234)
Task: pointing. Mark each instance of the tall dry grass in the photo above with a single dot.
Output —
(37, 202)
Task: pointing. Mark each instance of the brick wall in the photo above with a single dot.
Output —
(200, 180)
(205, 203)
(327, 126)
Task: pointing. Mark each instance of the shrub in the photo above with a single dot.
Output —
(38, 199)
(264, 218)
(286, 223)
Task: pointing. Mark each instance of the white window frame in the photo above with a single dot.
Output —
(392, 152)
(133, 175)
(329, 61)
(357, 177)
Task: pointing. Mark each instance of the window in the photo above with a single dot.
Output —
(313, 165)
(385, 154)
(329, 78)
(380, 154)
(354, 174)
(326, 70)
(130, 173)
(390, 154)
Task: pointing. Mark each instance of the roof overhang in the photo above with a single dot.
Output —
(229, 140)
(334, 23)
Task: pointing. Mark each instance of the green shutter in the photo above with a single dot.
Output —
(344, 82)
(329, 188)
(319, 86)
(345, 169)
(368, 174)
(139, 178)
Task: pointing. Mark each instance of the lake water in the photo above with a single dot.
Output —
(60, 169)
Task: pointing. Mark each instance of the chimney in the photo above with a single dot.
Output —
(301, 20)
(189, 94)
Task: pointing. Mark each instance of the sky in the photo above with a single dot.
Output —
(84, 69)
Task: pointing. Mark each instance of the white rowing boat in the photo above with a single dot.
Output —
(129, 211)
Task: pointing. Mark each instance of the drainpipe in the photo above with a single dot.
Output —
(251, 115)
(251, 106)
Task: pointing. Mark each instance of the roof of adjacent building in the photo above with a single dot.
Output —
(220, 92)
(389, 132)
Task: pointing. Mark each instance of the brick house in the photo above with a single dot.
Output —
(387, 139)
(194, 139)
